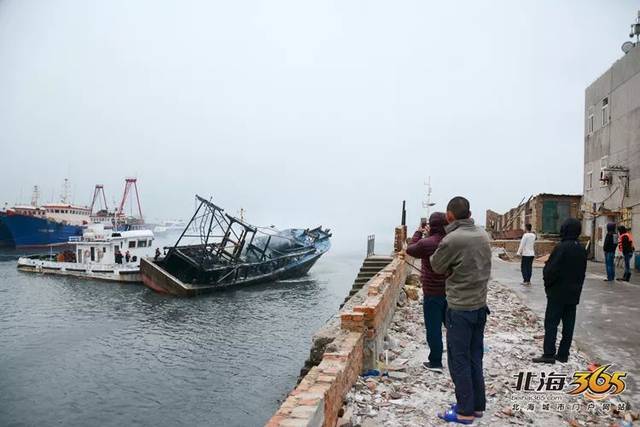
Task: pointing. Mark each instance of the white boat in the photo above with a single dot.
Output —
(169, 226)
(99, 254)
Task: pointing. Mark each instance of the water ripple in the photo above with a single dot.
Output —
(79, 353)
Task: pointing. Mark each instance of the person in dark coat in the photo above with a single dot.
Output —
(435, 301)
(563, 275)
(625, 244)
(609, 249)
(118, 256)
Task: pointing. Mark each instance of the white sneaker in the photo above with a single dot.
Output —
(429, 367)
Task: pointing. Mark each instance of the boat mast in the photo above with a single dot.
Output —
(35, 196)
(427, 203)
(64, 197)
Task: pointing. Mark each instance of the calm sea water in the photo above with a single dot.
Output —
(82, 353)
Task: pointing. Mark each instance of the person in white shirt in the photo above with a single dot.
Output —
(527, 252)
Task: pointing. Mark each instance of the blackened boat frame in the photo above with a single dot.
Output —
(235, 258)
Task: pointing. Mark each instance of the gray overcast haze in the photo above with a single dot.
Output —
(302, 113)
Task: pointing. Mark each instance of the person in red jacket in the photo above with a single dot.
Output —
(435, 302)
(625, 244)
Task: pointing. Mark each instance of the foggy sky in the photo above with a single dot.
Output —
(302, 113)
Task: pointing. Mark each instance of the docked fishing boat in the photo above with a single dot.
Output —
(53, 224)
(217, 251)
(99, 254)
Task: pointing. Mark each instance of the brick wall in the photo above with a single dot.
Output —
(317, 399)
(542, 247)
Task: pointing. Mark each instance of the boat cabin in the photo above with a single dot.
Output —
(111, 247)
(67, 213)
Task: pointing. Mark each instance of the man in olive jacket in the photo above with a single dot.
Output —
(464, 255)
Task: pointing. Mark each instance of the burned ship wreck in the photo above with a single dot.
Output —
(217, 251)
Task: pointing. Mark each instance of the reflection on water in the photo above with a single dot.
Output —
(77, 352)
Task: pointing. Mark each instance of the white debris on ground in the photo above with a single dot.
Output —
(411, 395)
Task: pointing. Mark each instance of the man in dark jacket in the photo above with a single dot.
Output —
(609, 249)
(625, 244)
(563, 278)
(435, 302)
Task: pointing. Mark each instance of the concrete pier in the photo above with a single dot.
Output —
(369, 323)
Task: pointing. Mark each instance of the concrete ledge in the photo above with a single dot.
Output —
(318, 398)
(542, 247)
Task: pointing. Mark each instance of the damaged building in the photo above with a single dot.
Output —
(612, 150)
(545, 212)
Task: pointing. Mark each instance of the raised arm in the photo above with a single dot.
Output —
(443, 258)
(419, 247)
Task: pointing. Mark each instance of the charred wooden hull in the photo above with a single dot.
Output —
(160, 280)
(229, 252)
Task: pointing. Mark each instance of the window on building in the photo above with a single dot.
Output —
(142, 243)
(605, 111)
(132, 244)
(604, 163)
(589, 181)
(590, 124)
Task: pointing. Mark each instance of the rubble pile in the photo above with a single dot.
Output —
(403, 393)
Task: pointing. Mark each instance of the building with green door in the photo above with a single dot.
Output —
(545, 212)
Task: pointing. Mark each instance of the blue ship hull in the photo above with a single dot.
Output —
(5, 236)
(27, 231)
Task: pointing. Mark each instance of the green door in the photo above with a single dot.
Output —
(564, 212)
(550, 217)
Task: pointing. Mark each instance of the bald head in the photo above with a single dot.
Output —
(458, 208)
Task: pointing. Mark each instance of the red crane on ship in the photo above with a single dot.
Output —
(99, 190)
(129, 183)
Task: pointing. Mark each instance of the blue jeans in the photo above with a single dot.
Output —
(627, 264)
(526, 267)
(434, 308)
(609, 258)
(465, 348)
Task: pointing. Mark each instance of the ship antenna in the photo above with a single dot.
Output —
(64, 198)
(35, 196)
(427, 203)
